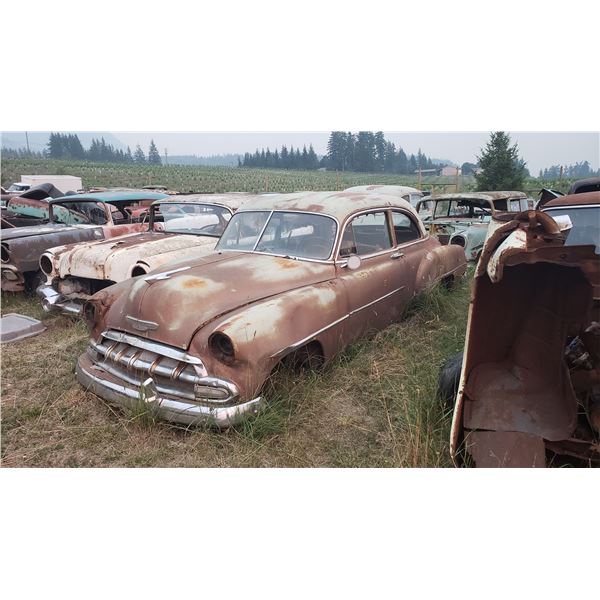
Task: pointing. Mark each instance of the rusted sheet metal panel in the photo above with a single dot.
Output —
(260, 305)
(531, 295)
(492, 449)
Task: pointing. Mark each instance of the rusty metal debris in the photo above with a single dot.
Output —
(294, 277)
(531, 370)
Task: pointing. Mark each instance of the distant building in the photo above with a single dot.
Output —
(450, 171)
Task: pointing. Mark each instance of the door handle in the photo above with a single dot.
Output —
(397, 255)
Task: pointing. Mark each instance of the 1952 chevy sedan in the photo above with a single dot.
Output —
(178, 227)
(294, 276)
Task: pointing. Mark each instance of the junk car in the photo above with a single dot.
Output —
(294, 277)
(178, 228)
(70, 219)
(462, 218)
(582, 186)
(529, 386)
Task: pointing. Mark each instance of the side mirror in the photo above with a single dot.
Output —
(354, 262)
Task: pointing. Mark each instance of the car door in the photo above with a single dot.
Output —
(371, 288)
(409, 245)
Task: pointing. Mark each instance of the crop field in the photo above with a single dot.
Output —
(374, 406)
(212, 179)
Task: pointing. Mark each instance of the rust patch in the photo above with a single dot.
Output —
(195, 283)
(286, 263)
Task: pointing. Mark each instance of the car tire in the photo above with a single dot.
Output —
(449, 380)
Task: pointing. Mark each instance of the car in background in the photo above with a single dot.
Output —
(462, 218)
(179, 227)
(28, 208)
(529, 383)
(583, 186)
(294, 278)
(70, 219)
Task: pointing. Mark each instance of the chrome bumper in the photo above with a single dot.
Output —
(103, 384)
(53, 301)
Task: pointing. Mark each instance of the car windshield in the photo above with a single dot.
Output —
(293, 234)
(461, 209)
(586, 225)
(196, 219)
(79, 213)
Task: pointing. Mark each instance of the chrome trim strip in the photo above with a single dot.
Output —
(158, 348)
(568, 206)
(333, 324)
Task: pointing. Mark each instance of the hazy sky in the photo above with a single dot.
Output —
(538, 149)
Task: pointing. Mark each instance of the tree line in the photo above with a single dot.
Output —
(579, 170)
(370, 152)
(284, 159)
(364, 151)
(67, 146)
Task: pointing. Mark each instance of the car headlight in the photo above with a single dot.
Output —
(222, 347)
(459, 240)
(46, 264)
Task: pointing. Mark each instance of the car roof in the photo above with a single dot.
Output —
(114, 196)
(574, 199)
(491, 196)
(385, 189)
(334, 204)
(231, 200)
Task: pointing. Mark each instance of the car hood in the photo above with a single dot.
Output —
(113, 258)
(195, 293)
(22, 232)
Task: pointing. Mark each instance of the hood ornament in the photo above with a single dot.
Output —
(164, 275)
(140, 324)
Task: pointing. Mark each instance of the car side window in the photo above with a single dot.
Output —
(405, 228)
(515, 206)
(366, 234)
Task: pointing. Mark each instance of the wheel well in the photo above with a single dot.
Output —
(307, 357)
(138, 270)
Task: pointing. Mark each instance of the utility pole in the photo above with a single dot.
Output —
(166, 157)
(27, 140)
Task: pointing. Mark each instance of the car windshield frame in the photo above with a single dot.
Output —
(156, 206)
(258, 239)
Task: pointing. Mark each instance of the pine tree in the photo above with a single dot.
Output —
(502, 169)
(139, 157)
(153, 154)
(380, 148)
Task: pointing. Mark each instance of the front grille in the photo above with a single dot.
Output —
(175, 373)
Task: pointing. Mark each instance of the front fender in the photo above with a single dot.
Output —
(265, 332)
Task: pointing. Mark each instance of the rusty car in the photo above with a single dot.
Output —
(29, 207)
(462, 218)
(294, 278)
(70, 219)
(529, 383)
(178, 227)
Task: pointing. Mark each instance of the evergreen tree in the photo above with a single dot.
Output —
(139, 157)
(380, 149)
(153, 154)
(402, 162)
(313, 160)
(285, 158)
(502, 169)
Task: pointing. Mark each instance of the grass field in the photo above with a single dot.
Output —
(211, 179)
(374, 406)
